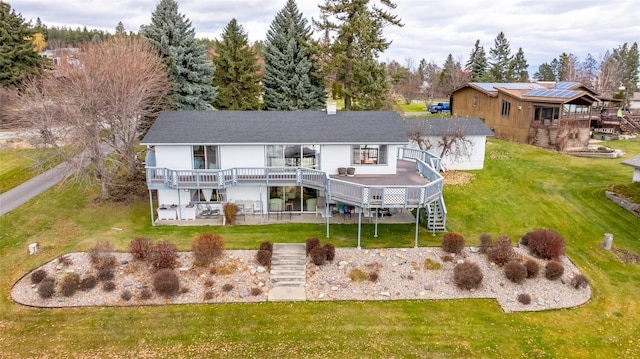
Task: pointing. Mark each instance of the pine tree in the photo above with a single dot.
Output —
(477, 64)
(17, 56)
(189, 69)
(357, 44)
(545, 73)
(236, 76)
(519, 67)
(291, 80)
(500, 59)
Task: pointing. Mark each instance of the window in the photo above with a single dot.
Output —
(208, 195)
(205, 157)
(475, 101)
(546, 113)
(506, 108)
(369, 154)
(307, 156)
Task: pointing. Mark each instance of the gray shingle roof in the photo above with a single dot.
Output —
(470, 126)
(276, 127)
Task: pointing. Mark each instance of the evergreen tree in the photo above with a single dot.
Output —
(519, 67)
(500, 59)
(236, 75)
(291, 80)
(17, 56)
(630, 74)
(452, 76)
(477, 64)
(120, 29)
(545, 73)
(356, 46)
(190, 71)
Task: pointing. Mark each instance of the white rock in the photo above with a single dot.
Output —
(321, 295)
(460, 261)
(334, 288)
(342, 264)
(260, 284)
(261, 269)
(401, 256)
(385, 293)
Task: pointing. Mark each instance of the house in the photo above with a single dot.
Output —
(550, 115)
(467, 153)
(288, 161)
(635, 163)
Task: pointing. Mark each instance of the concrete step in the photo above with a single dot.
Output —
(288, 272)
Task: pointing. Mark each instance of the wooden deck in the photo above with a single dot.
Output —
(406, 175)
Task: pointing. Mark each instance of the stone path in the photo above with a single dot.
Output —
(288, 272)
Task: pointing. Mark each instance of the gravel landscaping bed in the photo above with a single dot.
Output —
(399, 274)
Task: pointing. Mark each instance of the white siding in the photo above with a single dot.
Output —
(473, 162)
(334, 156)
(174, 157)
(242, 156)
(636, 175)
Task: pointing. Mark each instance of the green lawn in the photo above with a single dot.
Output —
(15, 168)
(520, 189)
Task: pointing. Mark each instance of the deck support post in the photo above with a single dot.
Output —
(417, 219)
(153, 222)
(375, 227)
(359, 227)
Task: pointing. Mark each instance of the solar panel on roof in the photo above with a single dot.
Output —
(552, 93)
(564, 85)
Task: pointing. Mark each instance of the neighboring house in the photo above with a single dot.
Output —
(289, 161)
(634, 102)
(66, 55)
(635, 163)
(465, 154)
(549, 115)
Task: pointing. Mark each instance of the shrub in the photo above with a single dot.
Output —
(145, 294)
(467, 275)
(373, 276)
(553, 270)
(108, 286)
(357, 275)
(69, 284)
(330, 249)
(126, 295)
(484, 242)
(318, 255)
(206, 247)
(546, 244)
(502, 251)
(263, 257)
(209, 282)
(515, 271)
(166, 282)
(524, 240)
(255, 291)
(140, 248)
(266, 246)
(532, 267)
(230, 210)
(431, 264)
(579, 281)
(105, 274)
(208, 295)
(38, 276)
(227, 287)
(101, 255)
(65, 261)
(452, 242)
(46, 288)
(311, 244)
(163, 255)
(524, 298)
(447, 258)
(88, 283)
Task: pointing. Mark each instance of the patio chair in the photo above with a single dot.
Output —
(256, 207)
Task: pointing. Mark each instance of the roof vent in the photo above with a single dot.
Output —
(331, 108)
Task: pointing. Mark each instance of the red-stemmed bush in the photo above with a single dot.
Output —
(38, 275)
(88, 283)
(163, 255)
(515, 271)
(485, 242)
(467, 275)
(502, 251)
(553, 270)
(263, 257)
(311, 244)
(546, 244)
(166, 282)
(46, 288)
(533, 267)
(206, 248)
(101, 255)
(266, 246)
(579, 281)
(69, 284)
(524, 298)
(330, 249)
(140, 248)
(452, 242)
(318, 255)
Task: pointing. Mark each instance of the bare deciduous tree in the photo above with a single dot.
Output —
(417, 131)
(89, 113)
(455, 145)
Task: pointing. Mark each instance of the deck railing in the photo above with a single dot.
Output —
(427, 166)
